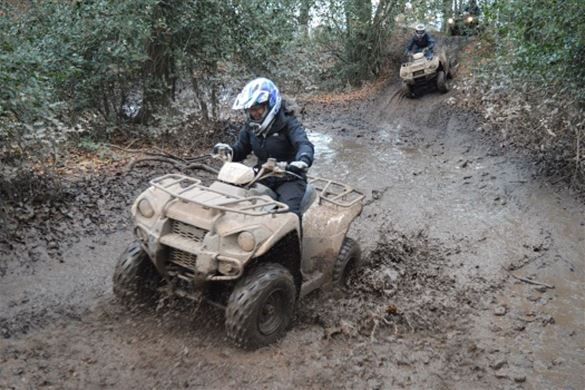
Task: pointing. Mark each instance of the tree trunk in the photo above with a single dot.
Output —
(305, 15)
(159, 69)
(214, 101)
(199, 96)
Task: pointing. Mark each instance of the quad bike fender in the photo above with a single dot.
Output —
(444, 61)
(220, 240)
(264, 233)
(233, 240)
(325, 225)
(149, 226)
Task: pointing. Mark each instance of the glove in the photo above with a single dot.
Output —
(429, 56)
(222, 149)
(298, 167)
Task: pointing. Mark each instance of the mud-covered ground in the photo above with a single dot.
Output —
(452, 222)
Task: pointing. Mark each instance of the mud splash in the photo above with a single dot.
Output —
(404, 287)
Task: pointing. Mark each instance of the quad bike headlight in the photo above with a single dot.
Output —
(145, 208)
(246, 241)
(470, 19)
(450, 21)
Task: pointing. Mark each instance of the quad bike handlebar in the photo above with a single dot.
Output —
(271, 168)
(274, 168)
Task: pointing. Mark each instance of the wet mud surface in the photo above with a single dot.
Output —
(451, 225)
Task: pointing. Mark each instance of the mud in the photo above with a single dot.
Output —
(449, 216)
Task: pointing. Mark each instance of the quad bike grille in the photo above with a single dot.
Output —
(418, 73)
(183, 259)
(188, 231)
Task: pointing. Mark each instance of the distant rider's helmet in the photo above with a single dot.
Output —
(419, 31)
(259, 94)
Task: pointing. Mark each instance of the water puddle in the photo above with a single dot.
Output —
(360, 161)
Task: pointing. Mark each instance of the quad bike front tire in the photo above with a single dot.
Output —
(442, 83)
(349, 258)
(261, 306)
(407, 91)
(135, 278)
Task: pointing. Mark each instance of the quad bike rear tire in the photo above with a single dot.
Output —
(442, 83)
(261, 306)
(349, 258)
(135, 280)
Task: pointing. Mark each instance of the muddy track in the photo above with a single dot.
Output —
(448, 217)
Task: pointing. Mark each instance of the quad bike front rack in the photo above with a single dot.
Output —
(189, 189)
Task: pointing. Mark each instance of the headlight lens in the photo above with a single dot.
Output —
(470, 19)
(246, 241)
(145, 208)
(450, 21)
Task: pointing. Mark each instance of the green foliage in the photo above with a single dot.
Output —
(533, 83)
(60, 60)
(88, 145)
(541, 41)
(355, 33)
(63, 52)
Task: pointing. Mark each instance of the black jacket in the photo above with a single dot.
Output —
(285, 141)
(417, 45)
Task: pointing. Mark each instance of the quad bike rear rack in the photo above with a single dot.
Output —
(189, 189)
(335, 192)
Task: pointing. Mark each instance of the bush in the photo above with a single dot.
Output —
(531, 79)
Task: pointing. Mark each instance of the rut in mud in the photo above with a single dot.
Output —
(432, 307)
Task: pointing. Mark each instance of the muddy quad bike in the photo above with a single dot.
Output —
(419, 71)
(233, 245)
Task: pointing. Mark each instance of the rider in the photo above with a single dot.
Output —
(421, 40)
(272, 130)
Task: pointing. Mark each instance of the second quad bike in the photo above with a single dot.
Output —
(419, 71)
(233, 245)
(462, 24)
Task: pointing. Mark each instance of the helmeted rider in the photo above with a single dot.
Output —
(420, 41)
(272, 130)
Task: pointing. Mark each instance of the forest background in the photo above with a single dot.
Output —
(77, 74)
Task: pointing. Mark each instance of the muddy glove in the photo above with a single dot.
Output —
(298, 167)
(223, 149)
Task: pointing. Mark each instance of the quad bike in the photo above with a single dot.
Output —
(462, 24)
(419, 71)
(233, 245)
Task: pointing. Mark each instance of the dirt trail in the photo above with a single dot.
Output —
(433, 308)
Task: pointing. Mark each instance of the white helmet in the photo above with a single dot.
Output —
(420, 31)
(258, 91)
